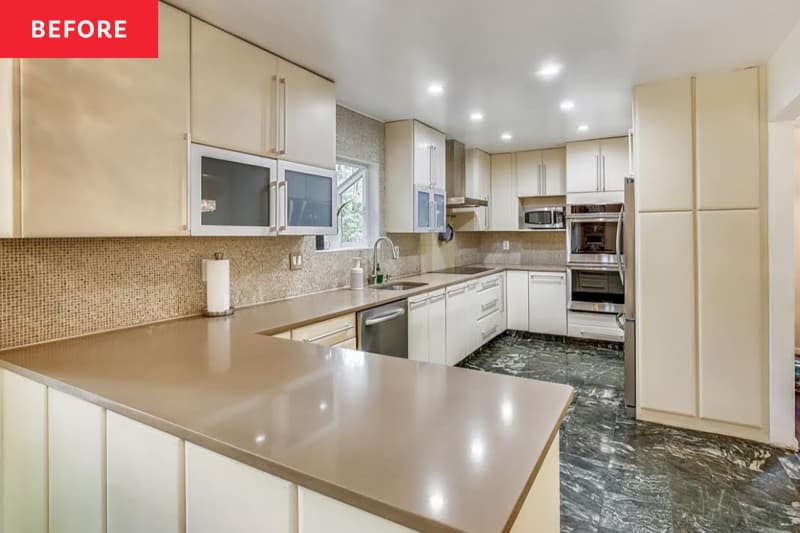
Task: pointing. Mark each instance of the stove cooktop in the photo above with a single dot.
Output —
(462, 270)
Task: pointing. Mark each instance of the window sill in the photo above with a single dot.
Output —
(346, 249)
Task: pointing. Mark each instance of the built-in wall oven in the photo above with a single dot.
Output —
(595, 289)
(594, 234)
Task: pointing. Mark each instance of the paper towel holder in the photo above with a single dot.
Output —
(229, 311)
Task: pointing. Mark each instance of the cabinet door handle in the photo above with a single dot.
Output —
(490, 305)
(597, 172)
(604, 172)
(283, 114)
(277, 119)
(273, 206)
(544, 179)
(283, 206)
(486, 333)
(436, 298)
(330, 333)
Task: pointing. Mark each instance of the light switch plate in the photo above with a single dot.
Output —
(295, 261)
(506, 245)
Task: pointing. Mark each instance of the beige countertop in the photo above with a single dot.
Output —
(432, 447)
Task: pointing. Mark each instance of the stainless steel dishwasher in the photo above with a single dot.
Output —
(384, 329)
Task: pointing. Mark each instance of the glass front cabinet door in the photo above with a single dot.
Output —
(429, 210)
(307, 200)
(232, 193)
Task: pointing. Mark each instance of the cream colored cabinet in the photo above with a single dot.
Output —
(145, 476)
(283, 335)
(225, 495)
(329, 332)
(320, 514)
(614, 163)
(457, 324)
(77, 464)
(730, 312)
(728, 140)
(427, 339)
(541, 172)
(597, 166)
(478, 170)
(596, 326)
(25, 498)
(547, 303)
(307, 132)
(104, 149)
(504, 204)
(517, 300)
(666, 312)
(663, 146)
(415, 179)
(234, 92)
(9, 148)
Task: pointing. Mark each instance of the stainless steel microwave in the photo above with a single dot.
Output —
(543, 218)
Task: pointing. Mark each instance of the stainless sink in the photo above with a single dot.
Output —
(398, 286)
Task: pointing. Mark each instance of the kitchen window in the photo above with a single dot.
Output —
(356, 184)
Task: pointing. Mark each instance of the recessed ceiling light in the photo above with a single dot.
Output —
(548, 71)
(583, 127)
(476, 116)
(506, 136)
(435, 88)
(567, 105)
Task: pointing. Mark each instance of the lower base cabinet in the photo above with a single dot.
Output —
(547, 303)
(225, 495)
(320, 514)
(517, 301)
(597, 326)
(427, 328)
(145, 478)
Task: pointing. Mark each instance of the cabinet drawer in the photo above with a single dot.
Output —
(328, 332)
(489, 327)
(596, 326)
(349, 344)
(488, 301)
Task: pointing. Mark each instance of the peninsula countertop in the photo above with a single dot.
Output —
(431, 447)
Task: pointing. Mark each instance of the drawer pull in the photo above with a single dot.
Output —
(437, 298)
(490, 305)
(330, 333)
(489, 332)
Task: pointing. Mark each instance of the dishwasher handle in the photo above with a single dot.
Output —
(384, 318)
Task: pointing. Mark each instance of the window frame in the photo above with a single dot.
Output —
(371, 209)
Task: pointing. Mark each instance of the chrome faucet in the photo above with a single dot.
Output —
(395, 255)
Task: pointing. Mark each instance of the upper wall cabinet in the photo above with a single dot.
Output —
(415, 178)
(246, 99)
(504, 205)
(663, 145)
(728, 140)
(234, 92)
(541, 172)
(597, 166)
(104, 149)
(9, 148)
(307, 109)
(478, 174)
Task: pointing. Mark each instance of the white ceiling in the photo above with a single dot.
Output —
(383, 54)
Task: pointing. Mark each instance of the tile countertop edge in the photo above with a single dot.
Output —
(330, 489)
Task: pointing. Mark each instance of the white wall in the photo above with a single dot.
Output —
(784, 79)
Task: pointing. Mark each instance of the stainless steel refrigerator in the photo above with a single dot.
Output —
(627, 273)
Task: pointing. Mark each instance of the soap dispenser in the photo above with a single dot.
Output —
(356, 275)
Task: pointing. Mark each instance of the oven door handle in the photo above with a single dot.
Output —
(620, 268)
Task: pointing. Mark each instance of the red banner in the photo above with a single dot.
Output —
(79, 28)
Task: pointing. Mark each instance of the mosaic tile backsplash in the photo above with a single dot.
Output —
(56, 288)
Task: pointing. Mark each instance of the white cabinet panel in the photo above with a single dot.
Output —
(583, 166)
(457, 325)
(614, 163)
(478, 171)
(422, 154)
(418, 329)
(24, 455)
(517, 300)
(145, 478)
(732, 356)
(77, 466)
(320, 514)
(666, 312)
(308, 115)
(547, 308)
(504, 204)
(223, 495)
(663, 145)
(529, 173)
(233, 92)
(104, 148)
(437, 328)
(554, 165)
(728, 143)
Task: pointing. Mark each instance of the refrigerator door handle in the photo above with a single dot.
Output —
(620, 267)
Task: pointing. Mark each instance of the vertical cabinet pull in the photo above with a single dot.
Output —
(277, 131)
(597, 172)
(604, 172)
(283, 114)
(282, 206)
(273, 205)
(544, 179)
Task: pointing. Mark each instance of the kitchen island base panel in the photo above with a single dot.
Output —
(158, 482)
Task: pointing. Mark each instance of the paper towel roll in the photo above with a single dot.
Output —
(218, 285)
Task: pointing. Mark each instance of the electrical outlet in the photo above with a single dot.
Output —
(295, 261)
(506, 245)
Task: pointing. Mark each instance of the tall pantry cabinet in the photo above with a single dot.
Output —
(701, 318)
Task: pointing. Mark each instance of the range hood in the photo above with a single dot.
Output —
(456, 172)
